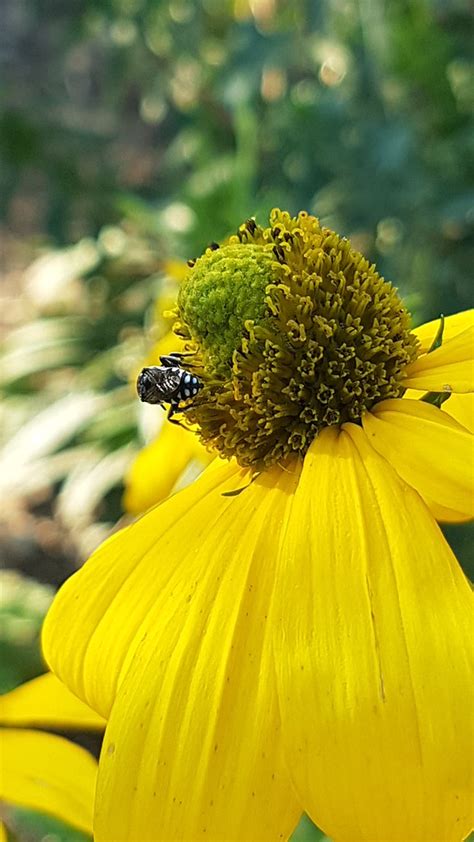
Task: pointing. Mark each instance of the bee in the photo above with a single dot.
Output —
(167, 383)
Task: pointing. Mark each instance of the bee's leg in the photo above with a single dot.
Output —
(170, 359)
(174, 408)
(174, 358)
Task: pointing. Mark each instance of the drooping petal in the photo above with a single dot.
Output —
(158, 467)
(461, 407)
(77, 639)
(3, 833)
(172, 618)
(177, 269)
(448, 369)
(166, 345)
(48, 773)
(373, 651)
(444, 515)
(428, 449)
(46, 701)
(453, 325)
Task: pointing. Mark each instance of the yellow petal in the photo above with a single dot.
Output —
(453, 325)
(159, 466)
(177, 269)
(166, 345)
(373, 653)
(428, 449)
(175, 626)
(46, 701)
(48, 773)
(70, 638)
(444, 515)
(461, 407)
(448, 369)
(3, 833)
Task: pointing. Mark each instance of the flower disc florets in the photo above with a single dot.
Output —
(291, 330)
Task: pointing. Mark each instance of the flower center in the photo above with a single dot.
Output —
(290, 331)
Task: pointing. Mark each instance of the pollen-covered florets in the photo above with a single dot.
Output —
(291, 331)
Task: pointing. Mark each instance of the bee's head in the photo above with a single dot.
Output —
(147, 387)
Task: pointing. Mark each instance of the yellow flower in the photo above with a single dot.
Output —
(291, 632)
(41, 771)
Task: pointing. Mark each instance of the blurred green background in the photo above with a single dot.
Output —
(132, 134)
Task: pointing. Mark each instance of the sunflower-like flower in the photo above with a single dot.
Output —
(291, 632)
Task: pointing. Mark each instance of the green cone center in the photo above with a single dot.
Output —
(290, 330)
(225, 288)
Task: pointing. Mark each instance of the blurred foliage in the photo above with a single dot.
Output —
(187, 116)
(29, 826)
(24, 605)
(133, 132)
(69, 413)
(307, 832)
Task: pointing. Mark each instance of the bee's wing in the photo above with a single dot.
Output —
(167, 380)
(171, 380)
(156, 384)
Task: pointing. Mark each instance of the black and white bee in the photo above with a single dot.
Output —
(167, 383)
